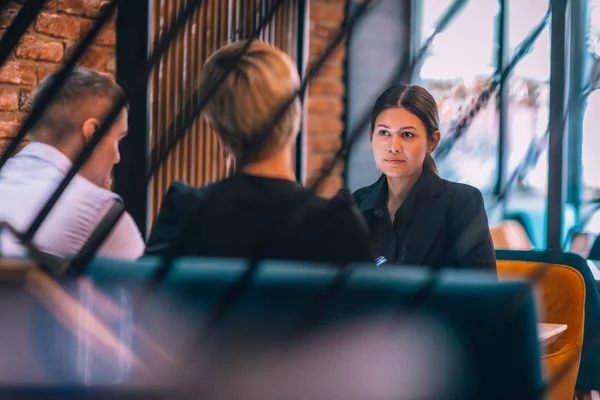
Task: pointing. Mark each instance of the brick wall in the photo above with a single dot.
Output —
(43, 48)
(326, 93)
(59, 26)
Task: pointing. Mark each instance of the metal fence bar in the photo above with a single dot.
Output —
(132, 50)
(503, 93)
(556, 171)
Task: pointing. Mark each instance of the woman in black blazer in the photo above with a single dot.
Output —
(414, 216)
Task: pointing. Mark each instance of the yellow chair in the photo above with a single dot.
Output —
(510, 235)
(560, 299)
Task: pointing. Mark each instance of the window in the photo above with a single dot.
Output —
(591, 118)
(457, 67)
(528, 114)
(529, 92)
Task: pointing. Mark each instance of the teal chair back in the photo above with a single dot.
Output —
(492, 323)
(589, 369)
(496, 334)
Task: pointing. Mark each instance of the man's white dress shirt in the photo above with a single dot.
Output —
(26, 183)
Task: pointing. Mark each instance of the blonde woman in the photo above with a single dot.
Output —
(244, 215)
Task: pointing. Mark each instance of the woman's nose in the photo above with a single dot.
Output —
(395, 145)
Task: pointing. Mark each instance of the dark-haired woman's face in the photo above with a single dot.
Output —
(399, 142)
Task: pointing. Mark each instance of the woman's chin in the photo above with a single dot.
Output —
(399, 171)
(395, 171)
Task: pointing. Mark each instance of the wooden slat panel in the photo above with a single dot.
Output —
(199, 159)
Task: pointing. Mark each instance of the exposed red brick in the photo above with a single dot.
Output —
(9, 98)
(327, 86)
(87, 8)
(6, 141)
(59, 25)
(40, 49)
(17, 72)
(316, 165)
(7, 16)
(326, 10)
(106, 36)
(319, 124)
(96, 58)
(44, 70)
(325, 144)
(51, 4)
(9, 128)
(331, 186)
(325, 94)
(332, 69)
(328, 105)
(111, 65)
(320, 31)
(317, 49)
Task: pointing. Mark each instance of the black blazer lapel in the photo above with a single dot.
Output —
(429, 217)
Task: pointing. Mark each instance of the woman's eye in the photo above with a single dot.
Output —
(384, 132)
(408, 134)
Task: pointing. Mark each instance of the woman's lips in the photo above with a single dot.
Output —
(395, 162)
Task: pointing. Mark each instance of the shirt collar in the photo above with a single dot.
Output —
(377, 200)
(47, 153)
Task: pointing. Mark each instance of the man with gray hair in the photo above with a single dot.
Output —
(28, 179)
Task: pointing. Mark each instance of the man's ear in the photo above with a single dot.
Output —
(435, 140)
(89, 127)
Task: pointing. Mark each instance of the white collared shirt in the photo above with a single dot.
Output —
(26, 183)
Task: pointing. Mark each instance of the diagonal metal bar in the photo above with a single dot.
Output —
(190, 112)
(47, 96)
(162, 46)
(499, 77)
(15, 31)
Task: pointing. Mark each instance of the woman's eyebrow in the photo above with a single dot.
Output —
(401, 128)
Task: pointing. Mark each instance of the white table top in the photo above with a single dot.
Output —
(548, 333)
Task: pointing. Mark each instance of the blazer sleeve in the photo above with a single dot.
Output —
(474, 246)
(351, 242)
(169, 220)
